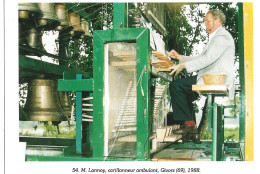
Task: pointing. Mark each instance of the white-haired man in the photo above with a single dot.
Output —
(217, 57)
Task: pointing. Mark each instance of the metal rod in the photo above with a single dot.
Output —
(88, 120)
(87, 109)
(88, 98)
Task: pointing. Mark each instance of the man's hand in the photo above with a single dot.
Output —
(177, 69)
(175, 55)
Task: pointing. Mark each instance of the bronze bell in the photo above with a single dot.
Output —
(65, 102)
(49, 20)
(43, 101)
(62, 14)
(85, 27)
(34, 39)
(75, 22)
(28, 9)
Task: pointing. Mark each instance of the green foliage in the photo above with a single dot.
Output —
(181, 36)
(236, 102)
(231, 24)
(80, 51)
(229, 133)
(52, 131)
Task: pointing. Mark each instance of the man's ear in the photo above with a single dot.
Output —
(218, 20)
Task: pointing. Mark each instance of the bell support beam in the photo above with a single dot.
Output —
(75, 85)
(79, 10)
(120, 15)
(34, 66)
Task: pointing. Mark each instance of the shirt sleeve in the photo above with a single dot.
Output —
(213, 52)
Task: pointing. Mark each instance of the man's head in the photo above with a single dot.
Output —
(213, 20)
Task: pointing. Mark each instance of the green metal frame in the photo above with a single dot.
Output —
(120, 15)
(141, 37)
(241, 79)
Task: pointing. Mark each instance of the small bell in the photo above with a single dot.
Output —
(65, 102)
(85, 27)
(34, 39)
(62, 14)
(28, 10)
(75, 22)
(49, 20)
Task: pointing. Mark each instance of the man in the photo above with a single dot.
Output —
(217, 57)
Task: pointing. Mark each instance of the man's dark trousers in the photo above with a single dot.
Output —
(182, 97)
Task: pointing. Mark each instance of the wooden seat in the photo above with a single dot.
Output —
(212, 91)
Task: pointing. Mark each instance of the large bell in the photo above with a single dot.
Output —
(85, 27)
(49, 20)
(75, 22)
(42, 102)
(34, 39)
(62, 14)
(65, 102)
(27, 10)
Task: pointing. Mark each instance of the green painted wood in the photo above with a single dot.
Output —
(75, 85)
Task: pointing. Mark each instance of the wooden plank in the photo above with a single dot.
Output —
(123, 63)
(126, 130)
(124, 53)
(132, 138)
(163, 70)
(213, 89)
(160, 134)
(172, 138)
(129, 138)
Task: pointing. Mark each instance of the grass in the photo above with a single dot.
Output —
(229, 133)
(50, 130)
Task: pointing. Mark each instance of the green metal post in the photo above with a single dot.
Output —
(98, 110)
(78, 119)
(214, 133)
(220, 132)
(119, 15)
(143, 99)
(241, 79)
(209, 125)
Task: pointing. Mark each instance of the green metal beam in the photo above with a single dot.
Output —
(37, 52)
(41, 67)
(75, 85)
(48, 141)
(119, 15)
(79, 10)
